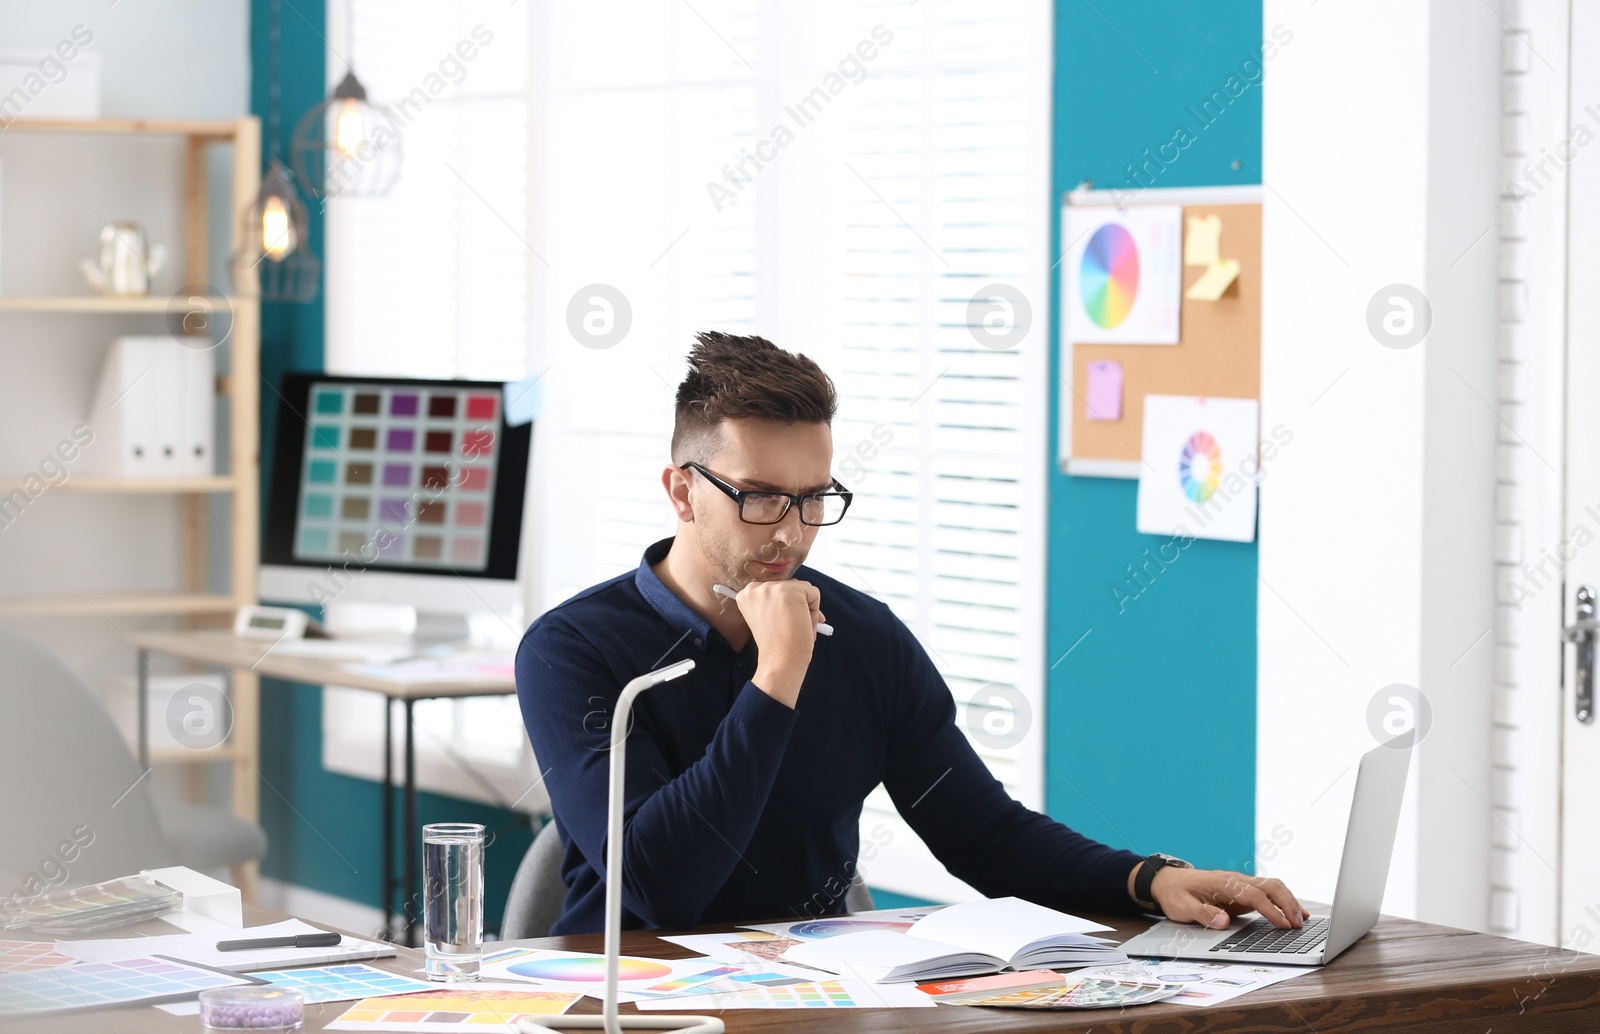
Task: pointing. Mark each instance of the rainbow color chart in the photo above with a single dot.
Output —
(1122, 275)
(1109, 275)
(419, 464)
(1200, 466)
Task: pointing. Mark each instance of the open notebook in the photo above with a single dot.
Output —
(964, 940)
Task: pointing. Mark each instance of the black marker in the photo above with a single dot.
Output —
(304, 940)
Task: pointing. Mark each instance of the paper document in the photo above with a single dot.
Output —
(1214, 281)
(1202, 241)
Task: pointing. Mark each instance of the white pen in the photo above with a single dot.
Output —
(823, 628)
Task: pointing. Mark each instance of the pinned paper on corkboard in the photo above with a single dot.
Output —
(1218, 351)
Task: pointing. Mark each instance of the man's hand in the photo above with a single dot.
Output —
(783, 617)
(1212, 897)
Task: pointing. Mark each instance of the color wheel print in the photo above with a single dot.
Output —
(1108, 277)
(589, 970)
(1200, 467)
(818, 928)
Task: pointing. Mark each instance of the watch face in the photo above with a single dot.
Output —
(1176, 863)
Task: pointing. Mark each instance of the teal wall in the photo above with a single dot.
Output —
(1151, 719)
(324, 830)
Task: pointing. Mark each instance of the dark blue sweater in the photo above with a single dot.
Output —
(739, 808)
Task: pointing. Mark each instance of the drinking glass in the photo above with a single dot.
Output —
(452, 900)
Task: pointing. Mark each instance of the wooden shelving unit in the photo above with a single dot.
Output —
(112, 306)
(145, 486)
(239, 387)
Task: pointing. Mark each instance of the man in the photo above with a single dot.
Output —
(745, 778)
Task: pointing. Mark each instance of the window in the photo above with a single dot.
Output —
(431, 280)
(844, 178)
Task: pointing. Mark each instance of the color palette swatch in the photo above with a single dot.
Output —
(682, 982)
(1200, 466)
(344, 983)
(1109, 276)
(822, 994)
(398, 475)
(478, 1009)
(1085, 993)
(16, 956)
(97, 984)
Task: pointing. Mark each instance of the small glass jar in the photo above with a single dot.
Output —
(258, 1007)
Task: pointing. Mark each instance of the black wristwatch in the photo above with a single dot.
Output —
(1147, 875)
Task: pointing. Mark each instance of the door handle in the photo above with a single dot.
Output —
(1583, 633)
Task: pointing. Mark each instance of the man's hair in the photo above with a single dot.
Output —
(735, 378)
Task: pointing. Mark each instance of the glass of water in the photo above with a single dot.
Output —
(452, 899)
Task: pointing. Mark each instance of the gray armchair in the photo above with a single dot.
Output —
(538, 896)
(77, 809)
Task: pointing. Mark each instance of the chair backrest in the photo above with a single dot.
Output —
(537, 895)
(75, 808)
(858, 898)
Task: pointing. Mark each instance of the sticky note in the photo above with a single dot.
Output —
(1103, 399)
(1214, 281)
(1202, 241)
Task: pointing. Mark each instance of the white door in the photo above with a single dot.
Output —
(1580, 728)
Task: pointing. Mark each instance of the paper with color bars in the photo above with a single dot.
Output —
(485, 1008)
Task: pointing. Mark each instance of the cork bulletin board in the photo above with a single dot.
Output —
(1219, 346)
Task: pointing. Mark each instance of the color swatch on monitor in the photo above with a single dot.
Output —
(1109, 275)
(398, 475)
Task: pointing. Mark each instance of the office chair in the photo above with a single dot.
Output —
(77, 809)
(538, 896)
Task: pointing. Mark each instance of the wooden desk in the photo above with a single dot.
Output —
(226, 650)
(1404, 976)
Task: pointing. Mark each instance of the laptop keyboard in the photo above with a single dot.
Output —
(1260, 935)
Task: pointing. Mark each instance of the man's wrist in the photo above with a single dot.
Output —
(1142, 880)
(780, 682)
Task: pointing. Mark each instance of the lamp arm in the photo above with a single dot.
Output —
(610, 1019)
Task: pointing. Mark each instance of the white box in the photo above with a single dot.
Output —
(51, 87)
(202, 895)
(122, 701)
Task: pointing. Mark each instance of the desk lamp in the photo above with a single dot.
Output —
(609, 1020)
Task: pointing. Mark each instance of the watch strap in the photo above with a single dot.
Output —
(1145, 877)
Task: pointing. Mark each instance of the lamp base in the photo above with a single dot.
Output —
(683, 1024)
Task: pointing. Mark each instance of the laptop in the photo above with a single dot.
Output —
(1363, 871)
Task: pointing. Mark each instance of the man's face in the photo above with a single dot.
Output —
(759, 455)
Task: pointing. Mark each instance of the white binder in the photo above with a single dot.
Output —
(153, 410)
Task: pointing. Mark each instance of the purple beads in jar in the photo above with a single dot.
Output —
(257, 1007)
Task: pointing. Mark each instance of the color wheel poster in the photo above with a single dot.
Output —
(1200, 467)
(1123, 274)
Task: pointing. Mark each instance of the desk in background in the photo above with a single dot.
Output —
(226, 650)
(1404, 976)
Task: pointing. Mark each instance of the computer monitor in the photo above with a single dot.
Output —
(396, 491)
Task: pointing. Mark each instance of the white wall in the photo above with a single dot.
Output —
(158, 58)
(1379, 135)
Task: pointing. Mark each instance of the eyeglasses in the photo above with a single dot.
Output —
(818, 509)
